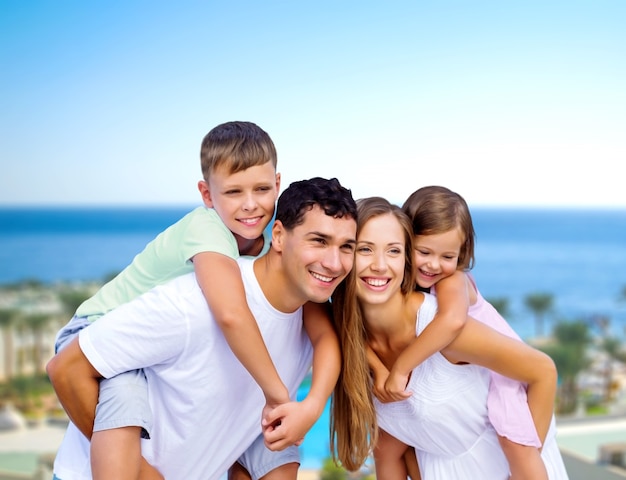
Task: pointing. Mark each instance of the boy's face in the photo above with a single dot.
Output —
(317, 254)
(245, 200)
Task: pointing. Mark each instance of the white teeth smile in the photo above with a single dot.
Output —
(322, 277)
(376, 282)
(249, 221)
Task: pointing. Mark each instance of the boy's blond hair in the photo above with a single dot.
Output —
(236, 146)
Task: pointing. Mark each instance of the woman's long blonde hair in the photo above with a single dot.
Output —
(353, 425)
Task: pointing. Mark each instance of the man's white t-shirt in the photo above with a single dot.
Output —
(206, 406)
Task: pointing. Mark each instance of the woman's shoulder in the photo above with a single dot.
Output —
(423, 306)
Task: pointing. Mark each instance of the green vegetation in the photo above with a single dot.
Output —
(331, 471)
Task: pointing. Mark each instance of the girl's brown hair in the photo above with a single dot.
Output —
(435, 210)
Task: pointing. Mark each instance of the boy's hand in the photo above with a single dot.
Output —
(287, 424)
(269, 407)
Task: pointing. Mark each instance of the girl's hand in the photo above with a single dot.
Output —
(395, 387)
(379, 378)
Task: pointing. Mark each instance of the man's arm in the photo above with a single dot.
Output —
(76, 383)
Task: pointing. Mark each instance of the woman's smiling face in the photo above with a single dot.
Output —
(379, 261)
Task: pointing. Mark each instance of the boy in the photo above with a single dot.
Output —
(206, 405)
(239, 191)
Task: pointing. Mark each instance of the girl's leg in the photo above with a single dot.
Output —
(412, 467)
(389, 458)
(525, 462)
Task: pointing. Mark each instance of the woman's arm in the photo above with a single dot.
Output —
(481, 345)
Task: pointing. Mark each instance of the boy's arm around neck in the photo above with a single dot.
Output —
(297, 418)
(219, 278)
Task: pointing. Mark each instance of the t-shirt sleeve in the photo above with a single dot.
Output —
(206, 232)
(149, 330)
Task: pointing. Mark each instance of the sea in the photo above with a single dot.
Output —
(576, 255)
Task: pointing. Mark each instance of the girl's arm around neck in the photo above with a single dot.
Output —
(453, 303)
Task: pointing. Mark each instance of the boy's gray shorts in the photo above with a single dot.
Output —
(260, 460)
(123, 399)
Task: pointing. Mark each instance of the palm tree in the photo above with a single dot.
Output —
(38, 324)
(71, 300)
(614, 350)
(569, 353)
(501, 304)
(540, 304)
(7, 319)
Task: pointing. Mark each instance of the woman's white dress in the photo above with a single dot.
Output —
(446, 420)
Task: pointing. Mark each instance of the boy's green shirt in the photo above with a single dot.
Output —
(165, 258)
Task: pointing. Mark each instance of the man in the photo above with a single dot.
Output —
(205, 404)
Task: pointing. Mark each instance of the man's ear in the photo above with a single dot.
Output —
(205, 192)
(278, 236)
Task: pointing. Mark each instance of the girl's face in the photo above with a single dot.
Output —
(436, 256)
(379, 259)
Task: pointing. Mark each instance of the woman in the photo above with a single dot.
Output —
(445, 418)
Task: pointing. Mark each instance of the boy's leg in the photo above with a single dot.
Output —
(116, 453)
(260, 463)
(288, 471)
(525, 461)
(69, 332)
(123, 417)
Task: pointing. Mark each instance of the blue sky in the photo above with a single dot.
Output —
(508, 103)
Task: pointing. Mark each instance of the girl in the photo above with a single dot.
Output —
(445, 416)
(443, 255)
